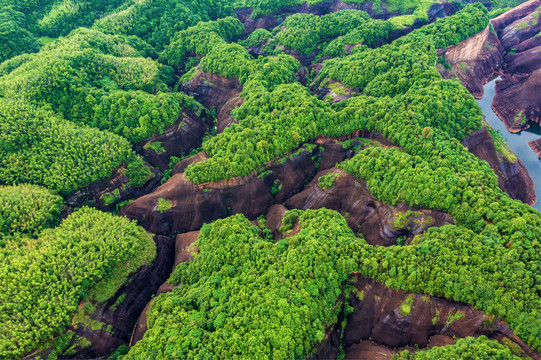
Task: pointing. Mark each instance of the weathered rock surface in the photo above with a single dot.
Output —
(517, 100)
(215, 91)
(521, 29)
(513, 177)
(474, 61)
(252, 195)
(116, 186)
(383, 316)
(536, 146)
(377, 221)
(182, 253)
(192, 204)
(512, 15)
(177, 140)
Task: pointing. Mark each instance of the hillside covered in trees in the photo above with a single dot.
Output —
(270, 179)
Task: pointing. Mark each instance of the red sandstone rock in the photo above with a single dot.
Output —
(516, 95)
(376, 220)
(517, 12)
(177, 140)
(213, 90)
(513, 178)
(521, 29)
(536, 146)
(379, 316)
(474, 61)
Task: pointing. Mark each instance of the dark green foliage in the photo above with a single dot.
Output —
(243, 296)
(468, 348)
(158, 21)
(46, 278)
(25, 210)
(67, 15)
(14, 36)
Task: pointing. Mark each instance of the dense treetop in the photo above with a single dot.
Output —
(45, 279)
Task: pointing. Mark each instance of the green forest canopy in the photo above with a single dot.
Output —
(73, 113)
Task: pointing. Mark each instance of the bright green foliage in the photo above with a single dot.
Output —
(245, 297)
(327, 181)
(256, 38)
(137, 115)
(237, 62)
(369, 33)
(40, 148)
(25, 210)
(199, 40)
(405, 308)
(273, 123)
(374, 71)
(163, 205)
(288, 113)
(491, 280)
(302, 32)
(469, 348)
(46, 278)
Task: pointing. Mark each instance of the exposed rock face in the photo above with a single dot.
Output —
(192, 204)
(116, 183)
(474, 61)
(213, 90)
(520, 30)
(183, 252)
(536, 146)
(395, 319)
(377, 221)
(515, 53)
(512, 15)
(517, 100)
(513, 178)
(177, 140)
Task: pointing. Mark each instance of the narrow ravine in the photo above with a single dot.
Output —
(518, 142)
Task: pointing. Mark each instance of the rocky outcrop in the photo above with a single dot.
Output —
(177, 140)
(182, 253)
(512, 15)
(106, 194)
(517, 100)
(474, 61)
(380, 224)
(521, 29)
(536, 146)
(513, 177)
(518, 95)
(186, 206)
(384, 318)
(215, 91)
(191, 204)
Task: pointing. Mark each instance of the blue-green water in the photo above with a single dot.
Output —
(518, 142)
